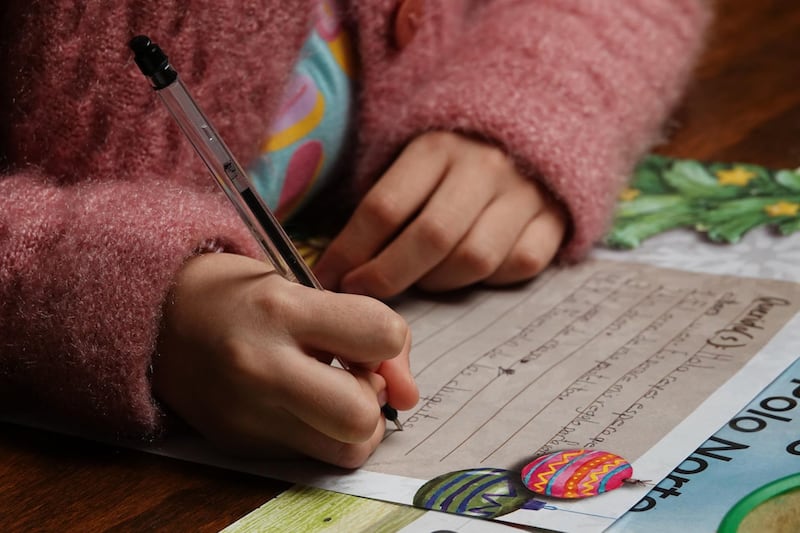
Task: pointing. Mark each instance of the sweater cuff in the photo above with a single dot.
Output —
(95, 281)
(574, 91)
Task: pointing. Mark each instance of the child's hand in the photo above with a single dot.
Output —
(451, 211)
(243, 357)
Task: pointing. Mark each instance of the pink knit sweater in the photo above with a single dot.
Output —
(101, 199)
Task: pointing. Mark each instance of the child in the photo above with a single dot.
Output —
(487, 138)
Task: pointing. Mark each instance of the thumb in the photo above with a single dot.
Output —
(401, 389)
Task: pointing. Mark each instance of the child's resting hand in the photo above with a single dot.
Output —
(243, 356)
(451, 211)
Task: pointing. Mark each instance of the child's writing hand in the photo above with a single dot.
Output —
(451, 211)
(243, 357)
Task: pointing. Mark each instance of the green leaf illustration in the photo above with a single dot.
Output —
(723, 200)
(787, 227)
(647, 175)
(648, 204)
(629, 233)
(693, 180)
(789, 179)
(732, 229)
(725, 211)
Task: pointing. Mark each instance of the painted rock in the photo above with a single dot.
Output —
(576, 473)
(477, 492)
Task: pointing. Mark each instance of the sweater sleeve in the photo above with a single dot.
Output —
(101, 197)
(575, 91)
(84, 272)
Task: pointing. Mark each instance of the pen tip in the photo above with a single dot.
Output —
(390, 413)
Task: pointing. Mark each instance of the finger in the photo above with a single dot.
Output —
(488, 242)
(383, 211)
(357, 329)
(286, 436)
(535, 249)
(342, 404)
(402, 392)
(432, 236)
(344, 454)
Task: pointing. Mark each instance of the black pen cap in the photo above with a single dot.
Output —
(152, 61)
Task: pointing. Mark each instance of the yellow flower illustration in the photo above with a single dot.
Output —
(782, 209)
(737, 176)
(628, 194)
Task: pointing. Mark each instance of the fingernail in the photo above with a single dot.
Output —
(383, 397)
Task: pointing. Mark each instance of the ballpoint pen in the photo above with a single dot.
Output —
(227, 172)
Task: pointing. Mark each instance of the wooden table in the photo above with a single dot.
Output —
(744, 105)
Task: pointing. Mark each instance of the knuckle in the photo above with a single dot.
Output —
(360, 423)
(526, 263)
(273, 298)
(495, 160)
(436, 141)
(381, 210)
(379, 285)
(437, 233)
(478, 260)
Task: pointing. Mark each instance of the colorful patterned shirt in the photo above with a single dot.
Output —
(309, 133)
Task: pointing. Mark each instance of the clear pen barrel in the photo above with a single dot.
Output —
(236, 185)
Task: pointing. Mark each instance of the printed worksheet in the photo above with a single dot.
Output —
(637, 360)
(587, 357)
